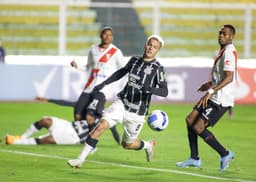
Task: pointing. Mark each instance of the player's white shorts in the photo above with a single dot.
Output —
(63, 132)
(132, 122)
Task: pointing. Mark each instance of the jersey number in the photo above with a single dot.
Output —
(208, 111)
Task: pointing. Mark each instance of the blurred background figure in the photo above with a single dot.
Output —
(2, 53)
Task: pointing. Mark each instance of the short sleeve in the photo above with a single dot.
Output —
(230, 61)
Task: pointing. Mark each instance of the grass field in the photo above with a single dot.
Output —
(112, 163)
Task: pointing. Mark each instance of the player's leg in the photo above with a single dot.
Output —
(82, 103)
(112, 115)
(47, 139)
(115, 135)
(96, 108)
(192, 135)
(90, 144)
(37, 126)
(194, 160)
(33, 128)
(132, 127)
(211, 116)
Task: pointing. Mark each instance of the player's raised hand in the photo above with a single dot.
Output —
(204, 87)
(73, 64)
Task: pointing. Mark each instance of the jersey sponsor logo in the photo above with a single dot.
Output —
(135, 85)
(133, 81)
(227, 62)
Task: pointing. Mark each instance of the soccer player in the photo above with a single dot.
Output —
(218, 99)
(103, 60)
(60, 130)
(146, 76)
(99, 100)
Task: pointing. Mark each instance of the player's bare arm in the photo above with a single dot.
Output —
(205, 86)
(227, 79)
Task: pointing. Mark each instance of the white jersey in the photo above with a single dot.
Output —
(226, 60)
(65, 132)
(102, 63)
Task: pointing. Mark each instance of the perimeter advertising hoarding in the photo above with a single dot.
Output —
(24, 82)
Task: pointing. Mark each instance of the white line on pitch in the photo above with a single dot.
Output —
(128, 166)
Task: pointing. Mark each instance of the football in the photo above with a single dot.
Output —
(158, 120)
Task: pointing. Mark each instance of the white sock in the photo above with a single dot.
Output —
(30, 131)
(25, 141)
(85, 152)
(146, 144)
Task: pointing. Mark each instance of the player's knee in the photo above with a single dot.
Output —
(101, 127)
(199, 127)
(46, 122)
(189, 121)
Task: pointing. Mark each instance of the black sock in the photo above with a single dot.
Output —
(115, 134)
(193, 144)
(37, 125)
(92, 142)
(210, 139)
(37, 141)
(91, 126)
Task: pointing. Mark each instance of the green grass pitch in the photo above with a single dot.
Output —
(114, 164)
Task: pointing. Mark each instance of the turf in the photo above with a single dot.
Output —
(237, 134)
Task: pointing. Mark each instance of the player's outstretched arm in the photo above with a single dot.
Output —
(114, 77)
(162, 90)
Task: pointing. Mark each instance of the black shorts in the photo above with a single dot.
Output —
(212, 113)
(92, 102)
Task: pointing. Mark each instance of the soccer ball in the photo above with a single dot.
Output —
(158, 120)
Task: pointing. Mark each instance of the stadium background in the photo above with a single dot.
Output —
(32, 32)
(42, 37)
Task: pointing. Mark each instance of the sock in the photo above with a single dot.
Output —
(34, 128)
(115, 134)
(210, 139)
(90, 144)
(193, 143)
(85, 152)
(92, 126)
(146, 144)
(25, 141)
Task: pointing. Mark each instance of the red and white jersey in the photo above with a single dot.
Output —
(226, 60)
(102, 63)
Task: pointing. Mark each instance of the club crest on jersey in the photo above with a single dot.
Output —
(148, 70)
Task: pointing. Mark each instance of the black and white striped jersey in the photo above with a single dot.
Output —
(82, 129)
(144, 79)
